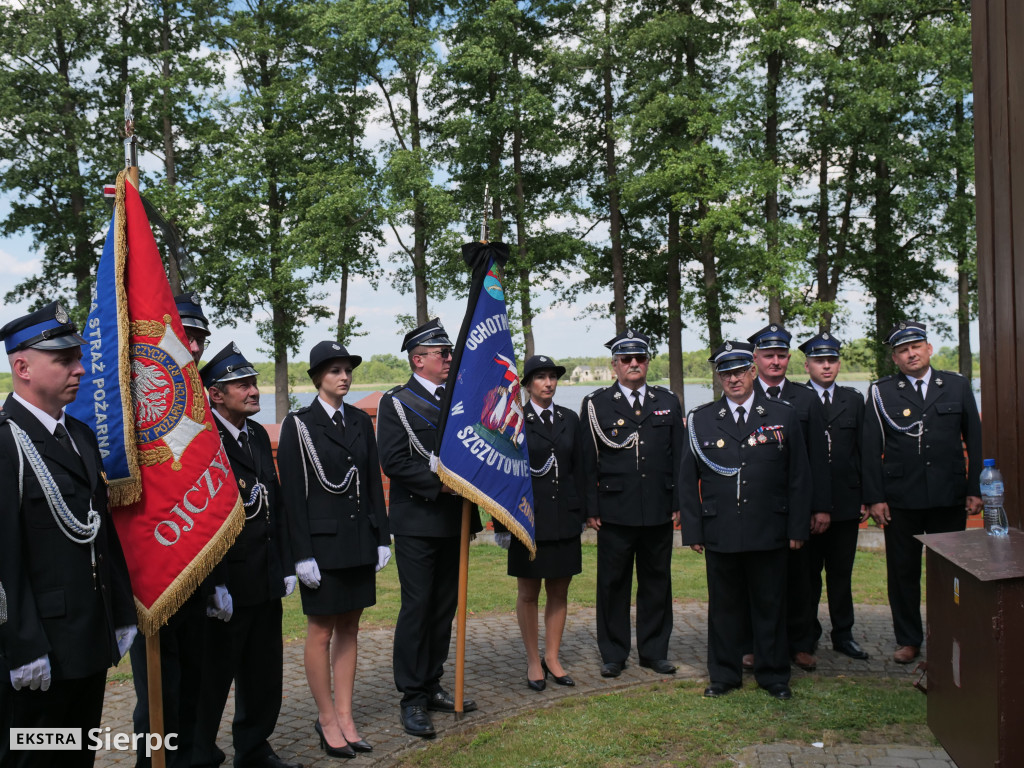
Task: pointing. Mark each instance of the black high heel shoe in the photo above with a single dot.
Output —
(563, 680)
(536, 685)
(325, 745)
(360, 746)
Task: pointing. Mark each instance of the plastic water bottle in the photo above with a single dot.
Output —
(992, 496)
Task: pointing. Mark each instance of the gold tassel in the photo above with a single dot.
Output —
(468, 491)
(188, 581)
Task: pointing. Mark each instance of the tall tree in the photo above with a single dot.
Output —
(58, 131)
(246, 213)
(497, 122)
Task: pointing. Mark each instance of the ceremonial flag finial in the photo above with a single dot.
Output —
(131, 157)
(487, 210)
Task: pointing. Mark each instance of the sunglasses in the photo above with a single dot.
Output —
(640, 359)
(444, 354)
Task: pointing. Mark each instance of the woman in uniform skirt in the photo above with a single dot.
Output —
(553, 437)
(337, 523)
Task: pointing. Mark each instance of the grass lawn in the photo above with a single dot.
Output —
(490, 589)
(671, 724)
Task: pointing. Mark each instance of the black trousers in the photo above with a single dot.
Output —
(67, 704)
(249, 650)
(747, 590)
(619, 547)
(181, 667)
(834, 550)
(428, 571)
(903, 563)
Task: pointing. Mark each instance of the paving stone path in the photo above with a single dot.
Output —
(495, 678)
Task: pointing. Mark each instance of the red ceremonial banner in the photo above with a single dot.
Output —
(189, 511)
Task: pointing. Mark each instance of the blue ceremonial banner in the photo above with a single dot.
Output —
(483, 454)
(104, 395)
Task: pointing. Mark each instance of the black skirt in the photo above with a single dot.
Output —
(341, 590)
(555, 559)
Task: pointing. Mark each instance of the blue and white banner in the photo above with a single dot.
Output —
(483, 454)
(104, 396)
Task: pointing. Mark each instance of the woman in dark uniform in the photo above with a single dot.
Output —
(553, 437)
(330, 477)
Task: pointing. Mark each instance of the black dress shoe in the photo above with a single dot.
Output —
(717, 690)
(536, 685)
(360, 746)
(325, 745)
(779, 691)
(661, 666)
(273, 761)
(612, 668)
(442, 701)
(416, 722)
(563, 680)
(850, 648)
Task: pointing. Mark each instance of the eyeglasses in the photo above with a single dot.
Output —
(444, 354)
(640, 359)
(203, 342)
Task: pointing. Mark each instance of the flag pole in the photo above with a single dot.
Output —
(154, 675)
(467, 509)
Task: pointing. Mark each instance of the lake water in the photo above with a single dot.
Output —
(568, 395)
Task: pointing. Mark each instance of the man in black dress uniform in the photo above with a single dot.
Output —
(915, 477)
(426, 521)
(771, 356)
(70, 610)
(256, 572)
(834, 549)
(181, 639)
(632, 443)
(744, 488)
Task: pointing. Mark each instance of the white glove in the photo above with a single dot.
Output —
(221, 605)
(383, 556)
(34, 675)
(125, 636)
(289, 585)
(308, 572)
(503, 539)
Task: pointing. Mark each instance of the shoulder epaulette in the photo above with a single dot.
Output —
(4, 416)
(884, 378)
(951, 373)
(394, 389)
(302, 410)
(660, 388)
(702, 406)
(850, 389)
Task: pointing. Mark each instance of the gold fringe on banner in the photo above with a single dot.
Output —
(188, 581)
(467, 490)
(126, 490)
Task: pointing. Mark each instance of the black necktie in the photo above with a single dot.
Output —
(637, 405)
(545, 416)
(920, 389)
(338, 419)
(741, 419)
(439, 393)
(243, 439)
(64, 439)
(773, 392)
(826, 401)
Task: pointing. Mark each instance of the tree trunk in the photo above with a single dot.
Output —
(712, 293)
(170, 173)
(673, 292)
(343, 305)
(965, 360)
(821, 262)
(281, 404)
(525, 306)
(771, 203)
(419, 213)
(612, 180)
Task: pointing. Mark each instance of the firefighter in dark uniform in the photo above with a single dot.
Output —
(70, 610)
(256, 572)
(425, 517)
(771, 357)
(744, 487)
(632, 442)
(916, 479)
(834, 549)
